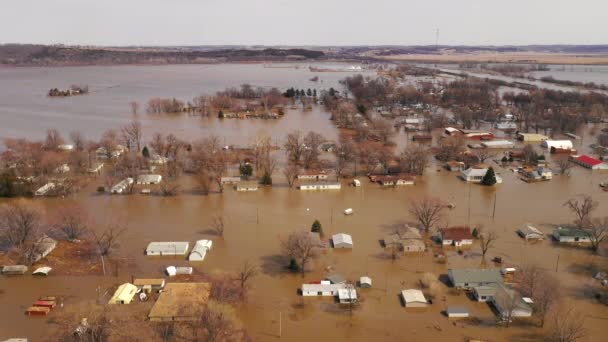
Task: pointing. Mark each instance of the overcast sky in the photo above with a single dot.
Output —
(304, 22)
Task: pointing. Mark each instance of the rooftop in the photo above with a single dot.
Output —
(180, 302)
(457, 233)
(474, 275)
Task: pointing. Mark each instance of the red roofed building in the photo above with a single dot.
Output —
(589, 162)
(456, 236)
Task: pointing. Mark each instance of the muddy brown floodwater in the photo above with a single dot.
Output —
(256, 221)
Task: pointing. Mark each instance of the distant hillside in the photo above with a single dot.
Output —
(12, 54)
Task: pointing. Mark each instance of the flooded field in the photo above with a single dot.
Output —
(256, 221)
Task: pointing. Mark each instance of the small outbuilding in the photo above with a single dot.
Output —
(149, 179)
(365, 282)
(347, 295)
(42, 271)
(457, 312)
(172, 271)
(149, 285)
(342, 240)
(14, 270)
(124, 294)
(413, 298)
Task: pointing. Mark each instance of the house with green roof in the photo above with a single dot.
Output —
(571, 235)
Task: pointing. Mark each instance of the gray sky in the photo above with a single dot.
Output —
(304, 22)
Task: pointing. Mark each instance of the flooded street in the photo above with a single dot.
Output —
(257, 221)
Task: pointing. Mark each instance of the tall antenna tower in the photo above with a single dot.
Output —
(437, 39)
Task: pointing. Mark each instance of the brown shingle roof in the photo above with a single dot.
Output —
(456, 233)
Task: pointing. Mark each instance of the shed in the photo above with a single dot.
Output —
(14, 270)
(124, 294)
(149, 285)
(356, 183)
(37, 311)
(173, 270)
(342, 240)
(365, 282)
(457, 312)
(167, 248)
(200, 249)
(181, 302)
(348, 211)
(413, 298)
(43, 271)
(336, 279)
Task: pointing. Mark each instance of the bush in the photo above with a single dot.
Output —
(293, 266)
(475, 233)
(316, 227)
(145, 152)
(489, 178)
(101, 189)
(246, 170)
(266, 179)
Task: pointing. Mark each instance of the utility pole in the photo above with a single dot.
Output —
(494, 210)
(280, 324)
(557, 263)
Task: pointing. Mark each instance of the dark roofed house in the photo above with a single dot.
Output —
(456, 236)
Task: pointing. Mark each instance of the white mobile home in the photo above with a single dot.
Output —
(167, 248)
(476, 175)
(149, 179)
(563, 144)
(497, 144)
(320, 186)
(122, 186)
(45, 189)
(246, 186)
(323, 289)
(457, 312)
(230, 179)
(571, 235)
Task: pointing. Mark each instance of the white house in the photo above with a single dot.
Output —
(44, 189)
(414, 298)
(476, 175)
(149, 179)
(342, 240)
(347, 295)
(167, 248)
(314, 175)
(456, 236)
(323, 289)
(563, 144)
(529, 232)
(230, 179)
(320, 186)
(200, 249)
(121, 186)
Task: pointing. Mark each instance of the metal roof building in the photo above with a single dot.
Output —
(167, 248)
(342, 240)
(413, 298)
(469, 278)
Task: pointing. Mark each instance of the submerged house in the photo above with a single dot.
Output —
(413, 298)
(475, 175)
(537, 174)
(313, 175)
(509, 304)
(246, 186)
(470, 278)
(200, 249)
(571, 235)
(564, 144)
(43, 247)
(454, 165)
(149, 179)
(342, 240)
(45, 189)
(456, 236)
(395, 180)
(409, 240)
(531, 137)
(589, 162)
(529, 232)
(122, 186)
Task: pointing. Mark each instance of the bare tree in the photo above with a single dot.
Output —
(582, 206)
(507, 300)
(487, 240)
(131, 134)
(204, 181)
(450, 148)
(77, 140)
(21, 224)
(134, 107)
(414, 159)
(302, 247)
(383, 129)
(598, 232)
(247, 272)
(345, 154)
(539, 284)
(169, 187)
(428, 211)
(53, 139)
(217, 225)
(310, 154)
(72, 221)
(567, 325)
(109, 239)
(129, 166)
(564, 166)
(484, 154)
(158, 144)
(291, 174)
(294, 146)
(220, 323)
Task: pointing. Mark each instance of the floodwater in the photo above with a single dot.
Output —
(256, 222)
(578, 73)
(26, 111)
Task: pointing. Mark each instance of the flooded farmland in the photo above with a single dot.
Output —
(257, 221)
